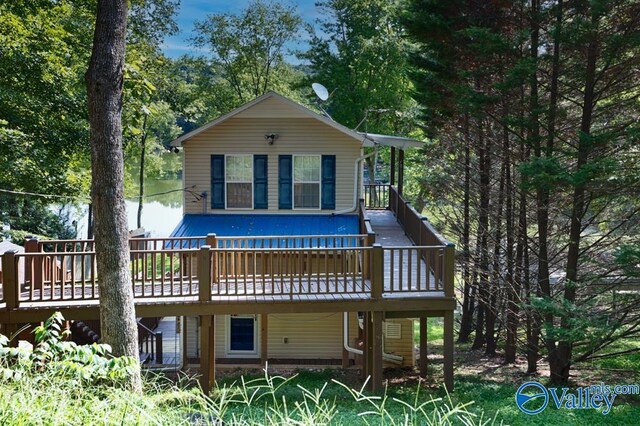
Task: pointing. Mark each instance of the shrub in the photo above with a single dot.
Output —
(51, 355)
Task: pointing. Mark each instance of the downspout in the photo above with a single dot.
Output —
(396, 359)
(356, 181)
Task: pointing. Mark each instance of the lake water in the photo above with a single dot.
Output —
(161, 210)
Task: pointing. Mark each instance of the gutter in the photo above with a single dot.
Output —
(356, 182)
(396, 359)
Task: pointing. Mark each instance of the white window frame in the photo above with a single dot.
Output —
(293, 182)
(226, 189)
(256, 337)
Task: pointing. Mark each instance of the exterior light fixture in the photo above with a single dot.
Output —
(271, 137)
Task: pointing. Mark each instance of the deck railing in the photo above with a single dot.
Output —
(288, 272)
(376, 196)
(209, 268)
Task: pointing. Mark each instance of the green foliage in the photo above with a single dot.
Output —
(248, 50)
(628, 257)
(359, 53)
(53, 356)
(34, 216)
(543, 173)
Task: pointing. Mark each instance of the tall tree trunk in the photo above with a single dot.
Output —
(104, 81)
(513, 291)
(494, 288)
(541, 211)
(484, 159)
(466, 322)
(544, 193)
(143, 149)
(560, 358)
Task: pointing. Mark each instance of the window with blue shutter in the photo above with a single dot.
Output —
(329, 182)
(260, 187)
(217, 181)
(285, 178)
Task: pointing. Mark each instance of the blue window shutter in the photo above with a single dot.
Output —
(285, 181)
(217, 181)
(260, 194)
(329, 182)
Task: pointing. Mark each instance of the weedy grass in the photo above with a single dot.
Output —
(60, 383)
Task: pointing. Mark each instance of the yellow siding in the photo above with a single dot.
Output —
(272, 108)
(309, 336)
(403, 346)
(246, 136)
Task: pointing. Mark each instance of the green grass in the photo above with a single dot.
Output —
(47, 400)
(435, 331)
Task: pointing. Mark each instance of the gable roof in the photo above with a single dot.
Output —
(362, 138)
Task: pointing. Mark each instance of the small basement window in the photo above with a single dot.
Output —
(306, 181)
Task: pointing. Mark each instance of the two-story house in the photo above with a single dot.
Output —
(283, 254)
(273, 168)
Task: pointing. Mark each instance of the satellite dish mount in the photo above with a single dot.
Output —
(323, 95)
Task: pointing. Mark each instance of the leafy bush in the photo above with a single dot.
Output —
(87, 364)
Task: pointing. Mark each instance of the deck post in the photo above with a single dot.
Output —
(376, 351)
(207, 353)
(400, 172)
(33, 265)
(370, 239)
(449, 269)
(423, 346)
(204, 273)
(392, 172)
(366, 342)
(377, 271)
(448, 350)
(159, 351)
(10, 286)
(264, 339)
(212, 242)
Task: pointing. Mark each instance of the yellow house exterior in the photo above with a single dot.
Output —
(300, 132)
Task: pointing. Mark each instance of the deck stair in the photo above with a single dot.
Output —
(149, 340)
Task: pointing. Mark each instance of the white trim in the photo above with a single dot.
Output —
(226, 192)
(355, 135)
(256, 334)
(293, 182)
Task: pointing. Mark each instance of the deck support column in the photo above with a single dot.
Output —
(423, 346)
(11, 284)
(33, 265)
(264, 339)
(366, 344)
(448, 350)
(207, 353)
(183, 348)
(392, 172)
(376, 351)
(400, 172)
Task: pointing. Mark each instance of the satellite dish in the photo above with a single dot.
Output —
(321, 91)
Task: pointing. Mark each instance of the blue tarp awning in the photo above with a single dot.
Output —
(252, 225)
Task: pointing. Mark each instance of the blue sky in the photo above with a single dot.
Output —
(194, 10)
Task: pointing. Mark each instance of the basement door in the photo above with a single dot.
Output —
(241, 338)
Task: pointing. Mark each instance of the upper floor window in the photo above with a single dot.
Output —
(306, 181)
(239, 181)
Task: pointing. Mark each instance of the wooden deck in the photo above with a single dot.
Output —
(397, 267)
